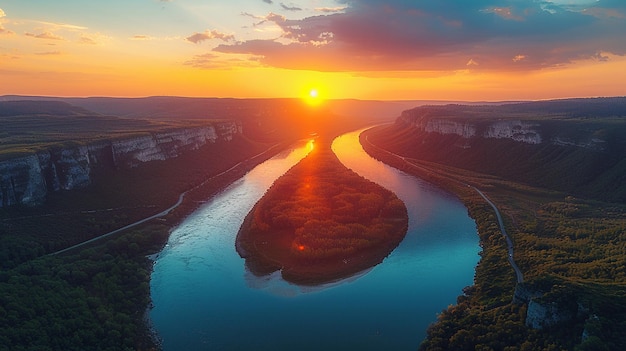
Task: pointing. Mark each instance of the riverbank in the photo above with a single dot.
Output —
(104, 285)
(562, 246)
(189, 201)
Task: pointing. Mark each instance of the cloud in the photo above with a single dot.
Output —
(2, 29)
(141, 37)
(5, 31)
(290, 8)
(213, 61)
(423, 35)
(256, 17)
(268, 1)
(603, 12)
(330, 9)
(48, 53)
(59, 26)
(45, 35)
(208, 35)
(87, 40)
(504, 12)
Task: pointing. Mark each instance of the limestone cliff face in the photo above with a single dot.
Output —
(21, 181)
(542, 314)
(26, 180)
(545, 310)
(527, 132)
(516, 130)
(444, 126)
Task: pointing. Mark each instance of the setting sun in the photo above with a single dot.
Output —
(313, 96)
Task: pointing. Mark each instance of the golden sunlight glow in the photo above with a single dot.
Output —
(312, 96)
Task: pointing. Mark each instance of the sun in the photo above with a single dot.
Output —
(313, 97)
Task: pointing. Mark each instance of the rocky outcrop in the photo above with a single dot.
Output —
(26, 180)
(516, 130)
(546, 309)
(544, 314)
(21, 181)
(520, 131)
(444, 126)
(454, 120)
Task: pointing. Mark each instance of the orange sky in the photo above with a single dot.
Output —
(368, 49)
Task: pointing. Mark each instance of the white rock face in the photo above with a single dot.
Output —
(26, 180)
(161, 146)
(520, 131)
(443, 126)
(517, 130)
(543, 315)
(21, 181)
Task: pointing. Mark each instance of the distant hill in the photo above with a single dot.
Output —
(189, 107)
(262, 119)
(42, 108)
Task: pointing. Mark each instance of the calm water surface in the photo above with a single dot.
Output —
(205, 300)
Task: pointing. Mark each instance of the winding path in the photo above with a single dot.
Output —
(509, 242)
(181, 197)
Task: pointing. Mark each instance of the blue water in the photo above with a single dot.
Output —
(205, 300)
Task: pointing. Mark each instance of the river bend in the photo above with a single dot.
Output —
(204, 299)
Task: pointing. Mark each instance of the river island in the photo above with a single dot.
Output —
(321, 222)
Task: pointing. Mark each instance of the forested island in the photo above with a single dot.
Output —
(321, 222)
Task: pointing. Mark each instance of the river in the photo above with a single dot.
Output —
(205, 300)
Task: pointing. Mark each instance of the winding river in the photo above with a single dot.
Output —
(205, 300)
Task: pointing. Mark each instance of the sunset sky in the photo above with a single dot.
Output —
(369, 49)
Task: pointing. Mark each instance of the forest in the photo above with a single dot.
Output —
(321, 222)
(570, 249)
(95, 298)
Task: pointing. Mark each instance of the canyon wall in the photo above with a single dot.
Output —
(26, 180)
(528, 132)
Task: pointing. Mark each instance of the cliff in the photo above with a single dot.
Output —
(529, 132)
(545, 310)
(581, 155)
(27, 179)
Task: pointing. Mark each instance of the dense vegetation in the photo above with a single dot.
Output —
(570, 249)
(95, 298)
(320, 222)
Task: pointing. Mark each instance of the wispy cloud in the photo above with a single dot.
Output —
(213, 61)
(290, 8)
(57, 26)
(330, 9)
(48, 53)
(141, 37)
(45, 35)
(2, 29)
(268, 1)
(208, 35)
(87, 40)
(372, 35)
